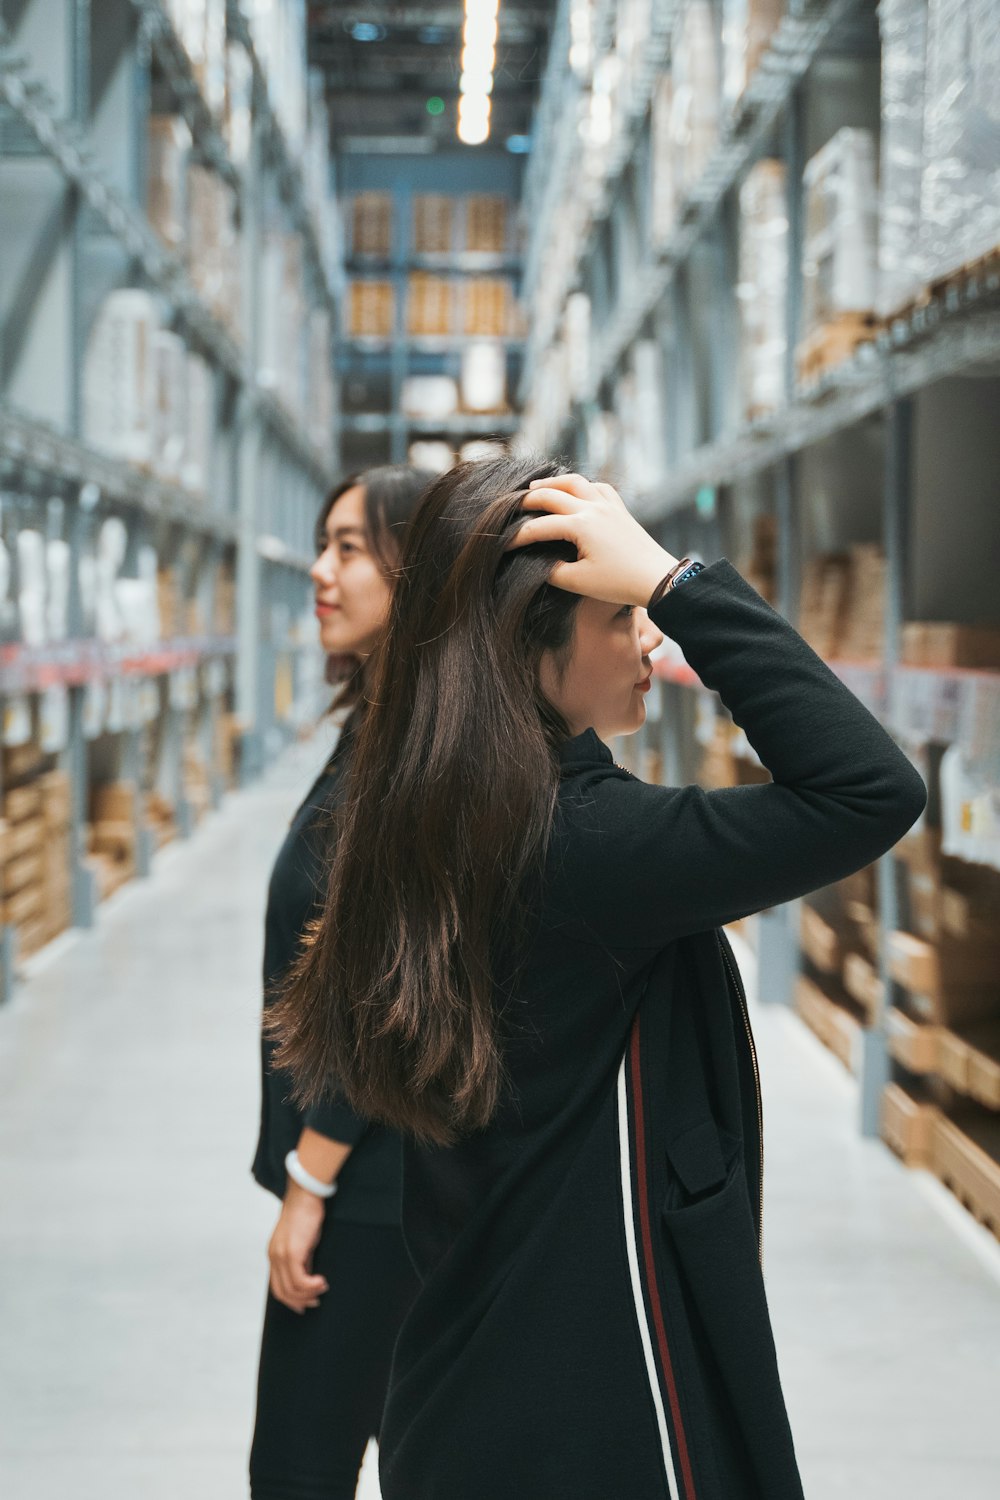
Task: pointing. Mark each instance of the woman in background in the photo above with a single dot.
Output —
(520, 965)
(340, 1278)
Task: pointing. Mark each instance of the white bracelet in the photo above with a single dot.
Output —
(298, 1173)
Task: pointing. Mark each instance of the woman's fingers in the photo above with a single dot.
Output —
(574, 484)
(545, 528)
(552, 500)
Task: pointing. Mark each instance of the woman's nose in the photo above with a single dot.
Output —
(649, 636)
(324, 570)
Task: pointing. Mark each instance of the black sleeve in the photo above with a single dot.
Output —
(336, 1120)
(647, 864)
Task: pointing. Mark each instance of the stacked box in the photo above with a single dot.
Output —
(320, 413)
(840, 250)
(965, 1155)
(762, 288)
(433, 223)
(948, 980)
(166, 194)
(170, 603)
(24, 838)
(213, 245)
(224, 619)
(944, 644)
(159, 819)
(666, 184)
(823, 601)
(430, 305)
(171, 404)
(908, 1123)
(864, 622)
(760, 567)
(488, 306)
(197, 785)
(199, 406)
(718, 763)
(283, 316)
(486, 221)
(371, 223)
(372, 309)
(56, 795)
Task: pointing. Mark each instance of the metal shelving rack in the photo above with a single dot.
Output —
(387, 361)
(76, 90)
(853, 457)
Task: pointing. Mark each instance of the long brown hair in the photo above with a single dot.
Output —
(447, 815)
(391, 492)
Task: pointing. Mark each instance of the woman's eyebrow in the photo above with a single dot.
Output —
(341, 531)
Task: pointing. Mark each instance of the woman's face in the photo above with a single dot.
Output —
(603, 679)
(352, 594)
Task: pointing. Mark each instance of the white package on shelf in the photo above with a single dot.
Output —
(199, 409)
(483, 379)
(651, 448)
(840, 250)
(747, 28)
(112, 543)
(119, 377)
(663, 211)
(429, 397)
(903, 27)
(171, 403)
(212, 73)
(762, 287)
(695, 105)
(431, 454)
(960, 197)
(238, 117)
(31, 586)
(578, 344)
(58, 560)
(320, 405)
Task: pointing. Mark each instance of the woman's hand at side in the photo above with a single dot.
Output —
(617, 560)
(290, 1251)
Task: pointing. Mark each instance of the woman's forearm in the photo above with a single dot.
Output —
(322, 1157)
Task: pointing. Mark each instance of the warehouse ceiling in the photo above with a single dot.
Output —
(390, 67)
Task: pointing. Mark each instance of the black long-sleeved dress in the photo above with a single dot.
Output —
(369, 1185)
(592, 1322)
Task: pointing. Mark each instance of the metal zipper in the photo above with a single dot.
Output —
(756, 1075)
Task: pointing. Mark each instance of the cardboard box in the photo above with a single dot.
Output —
(820, 942)
(943, 644)
(433, 223)
(913, 1043)
(430, 305)
(949, 981)
(372, 311)
(24, 905)
(57, 803)
(26, 870)
(862, 983)
(115, 801)
(908, 1125)
(836, 1028)
(965, 1155)
(486, 219)
(372, 224)
(24, 838)
(983, 1048)
(22, 802)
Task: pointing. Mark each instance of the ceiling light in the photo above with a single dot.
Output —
(367, 31)
(479, 38)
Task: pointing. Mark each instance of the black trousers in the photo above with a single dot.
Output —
(323, 1374)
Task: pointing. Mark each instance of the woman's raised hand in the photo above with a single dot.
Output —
(617, 560)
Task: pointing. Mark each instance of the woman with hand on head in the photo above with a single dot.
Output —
(340, 1277)
(520, 965)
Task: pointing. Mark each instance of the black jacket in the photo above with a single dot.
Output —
(592, 1323)
(370, 1182)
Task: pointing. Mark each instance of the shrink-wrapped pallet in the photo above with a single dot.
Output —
(486, 219)
(200, 425)
(762, 288)
(903, 27)
(433, 223)
(840, 244)
(666, 186)
(695, 112)
(960, 197)
(119, 377)
(747, 28)
(371, 221)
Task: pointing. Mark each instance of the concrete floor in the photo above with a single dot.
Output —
(132, 1238)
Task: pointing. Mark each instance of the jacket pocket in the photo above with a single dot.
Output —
(709, 1223)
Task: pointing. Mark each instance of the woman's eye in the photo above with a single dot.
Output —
(626, 611)
(346, 548)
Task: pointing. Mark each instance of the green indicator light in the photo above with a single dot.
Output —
(435, 106)
(705, 501)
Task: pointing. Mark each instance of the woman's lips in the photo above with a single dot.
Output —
(325, 610)
(645, 684)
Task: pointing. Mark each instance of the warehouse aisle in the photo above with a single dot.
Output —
(132, 1239)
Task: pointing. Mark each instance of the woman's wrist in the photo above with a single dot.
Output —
(660, 564)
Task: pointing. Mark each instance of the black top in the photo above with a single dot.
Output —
(592, 1304)
(369, 1183)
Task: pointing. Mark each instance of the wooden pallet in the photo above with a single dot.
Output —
(833, 343)
(939, 287)
(964, 1156)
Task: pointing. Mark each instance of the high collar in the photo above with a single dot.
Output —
(586, 749)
